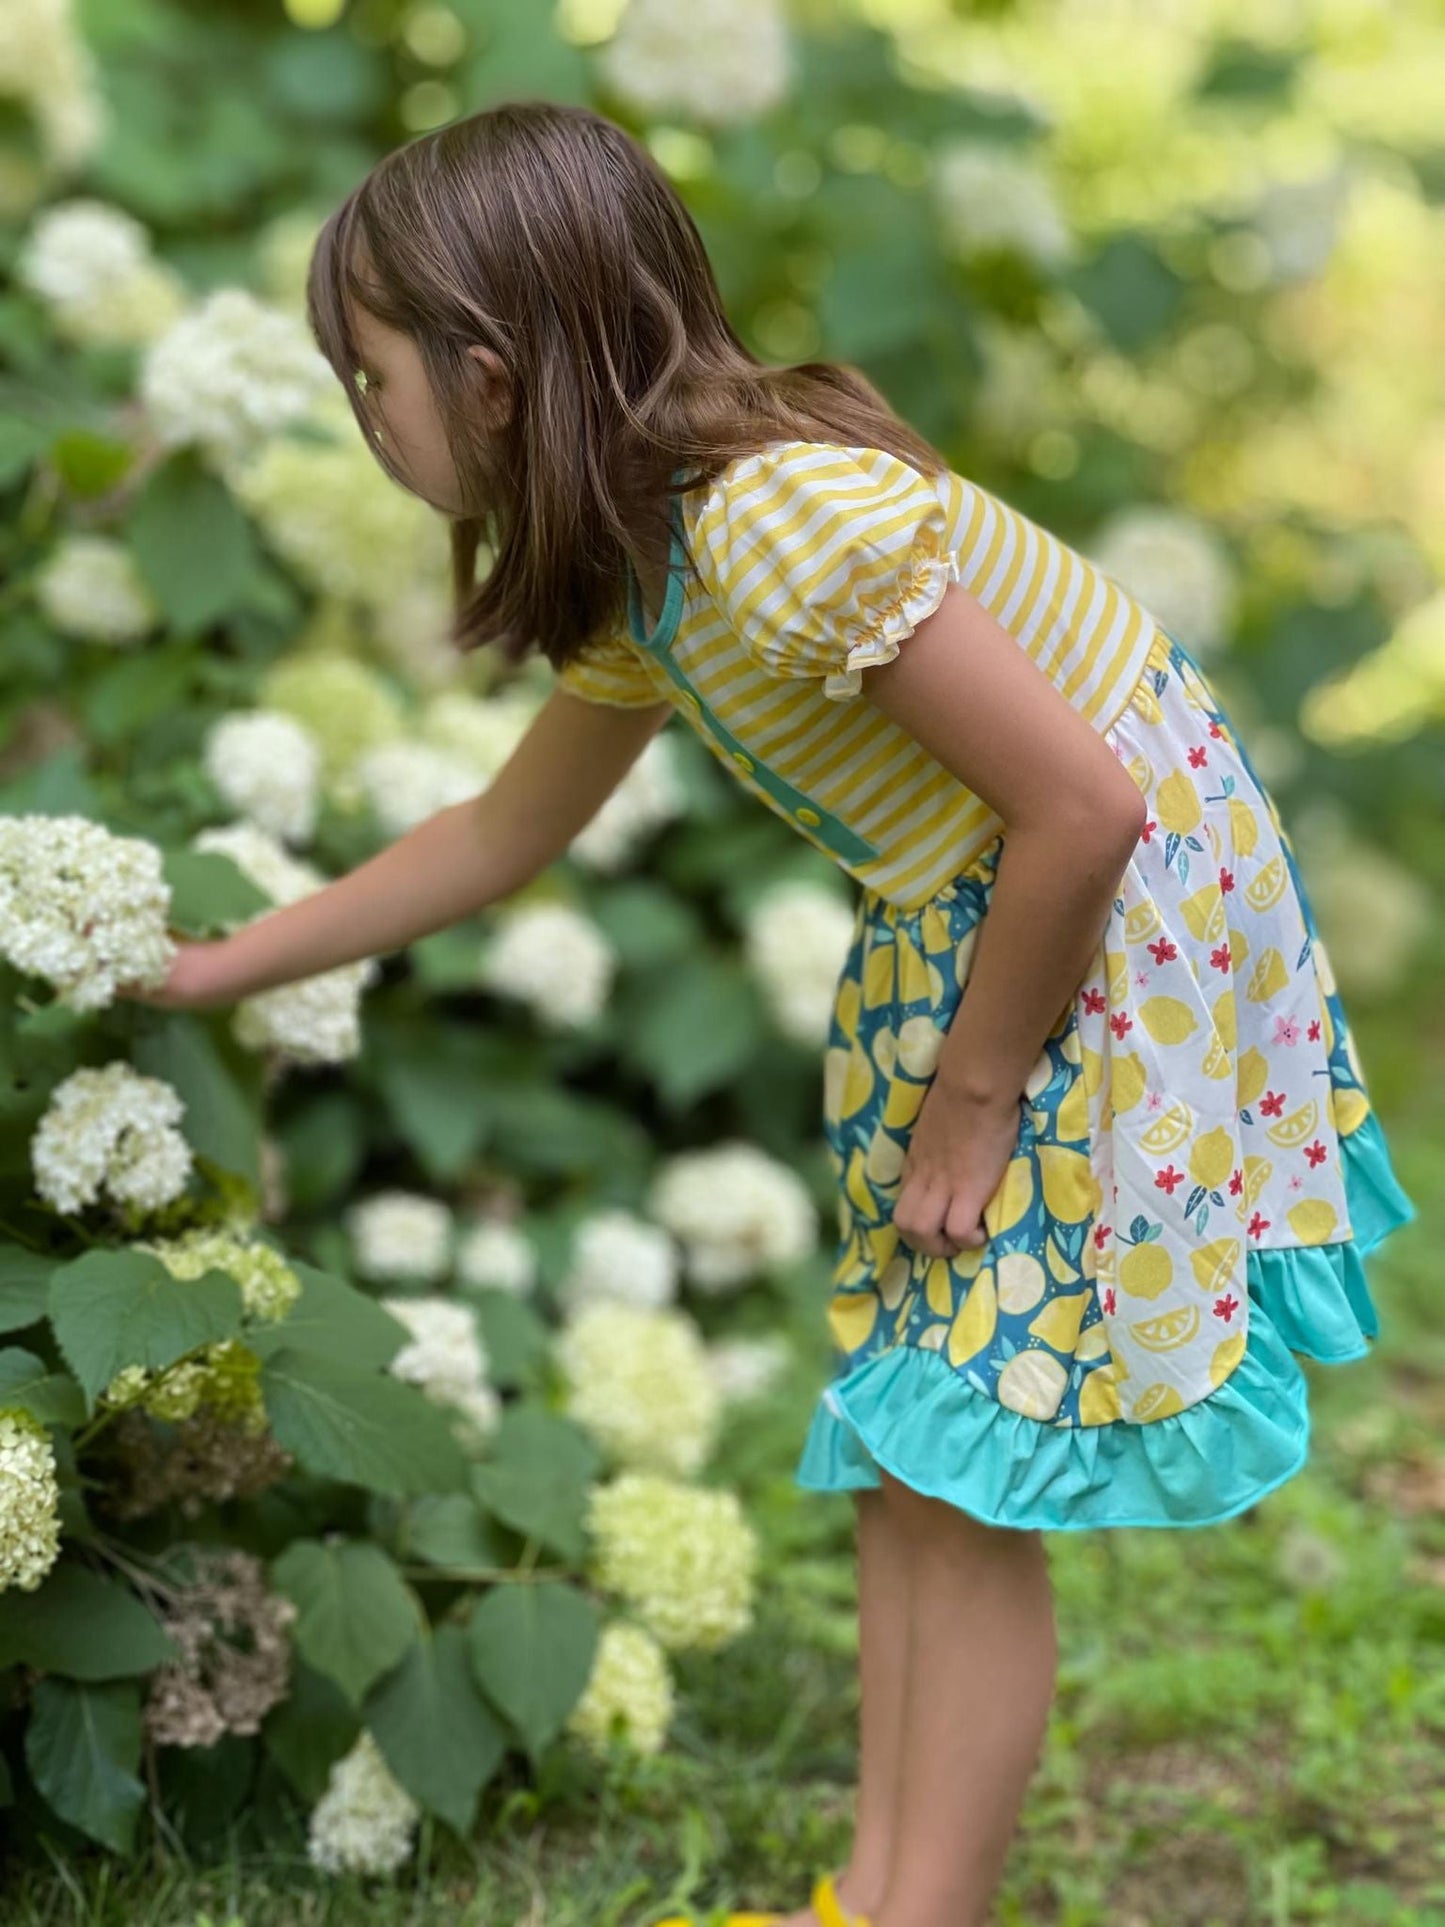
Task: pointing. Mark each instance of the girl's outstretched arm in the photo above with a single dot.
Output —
(1072, 814)
(450, 866)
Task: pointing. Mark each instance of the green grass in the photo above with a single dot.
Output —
(1249, 1728)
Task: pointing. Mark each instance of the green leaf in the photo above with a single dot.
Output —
(310, 1730)
(191, 542)
(112, 1308)
(210, 892)
(545, 1129)
(82, 1746)
(21, 443)
(692, 1029)
(323, 1142)
(436, 1083)
(127, 694)
(515, 1338)
(537, 1478)
(532, 1650)
(1130, 289)
(52, 1397)
(356, 1614)
(447, 1529)
(334, 1320)
(24, 1277)
(204, 1789)
(360, 1426)
(90, 464)
(647, 925)
(81, 1625)
(438, 1735)
(220, 1084)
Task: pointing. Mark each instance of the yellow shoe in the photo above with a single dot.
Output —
(829, 1908)
(729, 1920)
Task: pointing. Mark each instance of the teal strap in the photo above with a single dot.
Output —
(827, 830)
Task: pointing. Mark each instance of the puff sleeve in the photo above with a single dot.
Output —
(611, 671)
(823, 558)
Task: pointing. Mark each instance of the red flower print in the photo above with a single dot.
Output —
(1093, 1002)
(1109, 1301)
(1226, 878)
(1219, 956)
(1226, 1307)
(1271, 1104)
(1121, 1022)
(1215, 730)
(1101, 1235)
(1168, 1179)
(1258, 1226)
(1316, 1153)
(1198, 758)
(1144, 833)
(1296, 1182)
(1314, 1031)
(1236, 1183)
(1162, 950)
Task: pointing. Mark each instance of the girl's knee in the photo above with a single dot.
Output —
(931, 1520)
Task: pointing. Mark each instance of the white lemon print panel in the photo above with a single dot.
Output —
(1183, 1113)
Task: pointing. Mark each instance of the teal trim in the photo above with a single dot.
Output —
(908, 1411)
(834, 835)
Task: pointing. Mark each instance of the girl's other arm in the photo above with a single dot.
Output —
(450, 866)
(1072, 814)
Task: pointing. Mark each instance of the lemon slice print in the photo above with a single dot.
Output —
(1142, 921)
(1058, 1323)
(1033, 1383)
(1351, 1109)
(1155, 1402)
(1216, 1265)
(1226, 1357)
(973, 1327)
(849, 1006)
(1263, 891)
(1268, 977)
(1243, 826)
(1253, 1074)
(1204, 913)
(851, 1318)
(1127, 1080)
(1099, 1398)
(1290, 1132)
(1169, 1330)
(1168, 1131)
(920, 1042)
(1021, 1281)
(878, 975)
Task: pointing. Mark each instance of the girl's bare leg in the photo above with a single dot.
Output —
(979, 1685)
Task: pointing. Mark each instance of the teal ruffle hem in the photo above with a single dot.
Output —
(908, 1411)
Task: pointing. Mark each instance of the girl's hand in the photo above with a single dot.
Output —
(196, 980)
(956, 1160)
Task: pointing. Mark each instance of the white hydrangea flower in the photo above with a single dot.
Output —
(401, 1234)
(552, 958)
(796, 943)
(407, 781)
(91, 264)
(284, 246)
(638, 1384)
(478, 731)
(230, 373)
(259, 857)
(736, 1212)
(29, 1502)
(345, 704)
(336, 517)
(745, 1368)
(1171, 564)
(46, 65)
(493, 1255)
(990, 197)
(715, 61)
(622, 1259)
(413, 631)
(82, 908)
(649, 795)
(365, 1821)
(629, 1694)
(89, 586)
(446, 1357)
(684, 1556)
(268, 767)
(110, 1129)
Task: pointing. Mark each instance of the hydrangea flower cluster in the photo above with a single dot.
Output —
(552, 958)
(365, 1821)
(29, 1502)
(715, 61)
(92, 265)
(684, 1556)
(89, 586)
(82, 908)
(401, 1234)
(736, 1211)
(629, 1695)
(447, 1359)
(233, 1645)
(796, 942)
(344, 704)
(638, 1383)
(267, 766)
(649, 795)
(620, 1258)
(745, 1368)
(493, 1255)
(990, 197)
(111, 1130)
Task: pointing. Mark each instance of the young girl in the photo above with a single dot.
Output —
(1105, 1156)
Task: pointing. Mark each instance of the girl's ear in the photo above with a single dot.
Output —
(495, 389)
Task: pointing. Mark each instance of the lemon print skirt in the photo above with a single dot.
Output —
(1198, 1175)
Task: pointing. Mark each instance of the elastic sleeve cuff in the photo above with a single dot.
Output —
(930, 572)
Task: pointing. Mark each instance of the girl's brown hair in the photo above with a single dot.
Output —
(550, 234)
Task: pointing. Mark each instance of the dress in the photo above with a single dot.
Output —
(1199, 1170)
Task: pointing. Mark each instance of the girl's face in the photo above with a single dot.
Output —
(399, 402)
